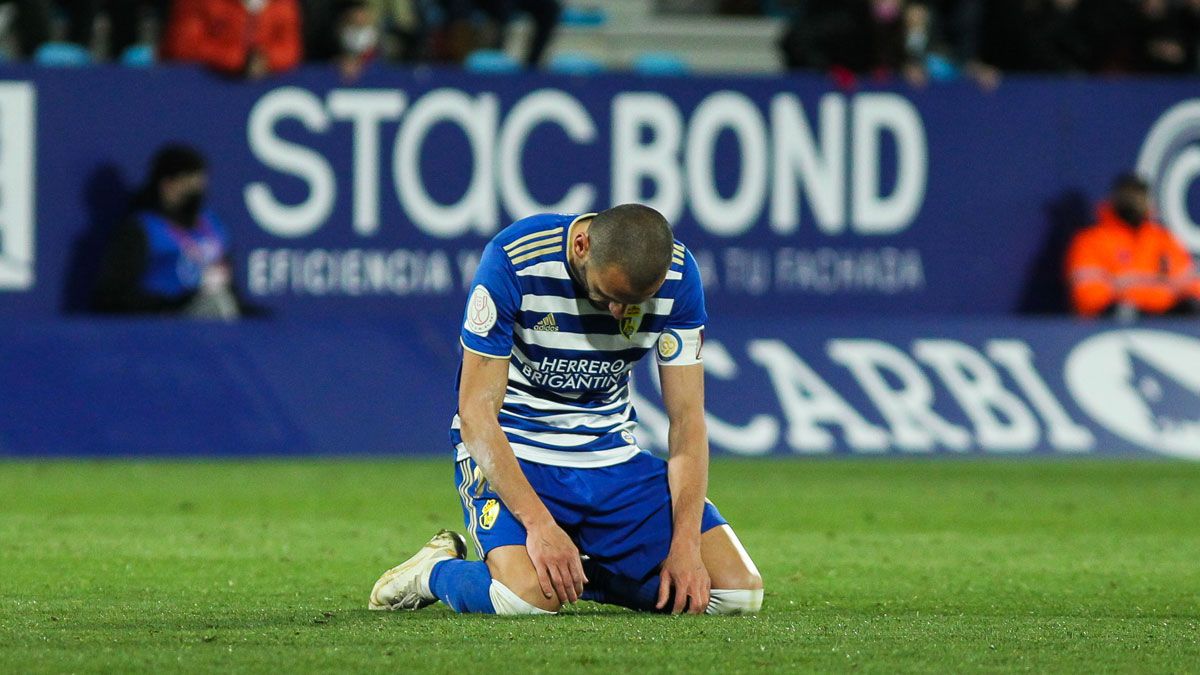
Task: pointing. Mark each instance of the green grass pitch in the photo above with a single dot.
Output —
(878, 566)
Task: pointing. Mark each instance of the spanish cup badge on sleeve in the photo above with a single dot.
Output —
(481, 311)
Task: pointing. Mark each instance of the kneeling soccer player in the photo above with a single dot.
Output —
(560, 501)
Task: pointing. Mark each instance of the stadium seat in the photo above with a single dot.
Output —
(583, 17)
(62, 55)
(660, 64)
(941, 69)
(138, 56)
(490, 62)
(575, 63)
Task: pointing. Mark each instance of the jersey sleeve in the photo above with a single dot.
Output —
(492, 306)
(683, 338)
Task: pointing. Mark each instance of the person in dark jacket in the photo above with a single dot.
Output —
(851, 39)
(171, 255)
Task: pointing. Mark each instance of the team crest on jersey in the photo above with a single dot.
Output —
(631, 321)
(489, 513)
(669, 345)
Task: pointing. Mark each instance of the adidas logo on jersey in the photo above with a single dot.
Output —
(547, 324)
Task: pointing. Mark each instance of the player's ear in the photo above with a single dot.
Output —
(581, 245)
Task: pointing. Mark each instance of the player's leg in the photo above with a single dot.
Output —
(737, 587)
(470, 586)
(513, 587)
(407, 585)
(628, 542)
(440, 571)
(495, 584)
(511, 567)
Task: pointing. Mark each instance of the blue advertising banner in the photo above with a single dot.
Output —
(375, 198)
(850, 387)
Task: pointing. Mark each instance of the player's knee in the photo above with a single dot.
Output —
(735, 600)
(524, 600)
(752, 581)
(739, 593)
(744, 578)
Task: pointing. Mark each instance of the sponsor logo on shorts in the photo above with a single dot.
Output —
(489, 513)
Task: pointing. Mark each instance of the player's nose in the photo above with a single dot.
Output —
(617, 310)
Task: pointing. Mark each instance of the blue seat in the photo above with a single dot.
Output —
(138, 56)
(941, 69)
(575, 63)
(583, 17)
(62, 55)
(660, 64)
(491, 62)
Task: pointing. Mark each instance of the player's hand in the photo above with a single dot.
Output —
(556, 559)
(684, 572)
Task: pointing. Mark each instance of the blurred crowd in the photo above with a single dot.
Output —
(253, 38)
(919, 40)
(935, 39)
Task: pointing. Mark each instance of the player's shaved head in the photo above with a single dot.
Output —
(635, 239)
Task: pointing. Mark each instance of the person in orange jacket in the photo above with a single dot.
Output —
(251, 38)
(1126, 263)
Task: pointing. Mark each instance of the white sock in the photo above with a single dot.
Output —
(734, 601)
(508, 603)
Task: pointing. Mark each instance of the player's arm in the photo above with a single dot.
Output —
(554, 555)
(687, 473)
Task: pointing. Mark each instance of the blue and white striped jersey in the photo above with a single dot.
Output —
(567, 402)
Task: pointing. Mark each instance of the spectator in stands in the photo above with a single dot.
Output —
(961, 33)
(171, 256)
(1107, 34)
(125, 21)
(876, 38)
(918, 42)
(1057, 38)
(1189, 20)
(407, 23)
(1127, 264)
(401, 27)
(1160, 42)
(351, 40)
(32, 20)
(543, 13)
(249, 38)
